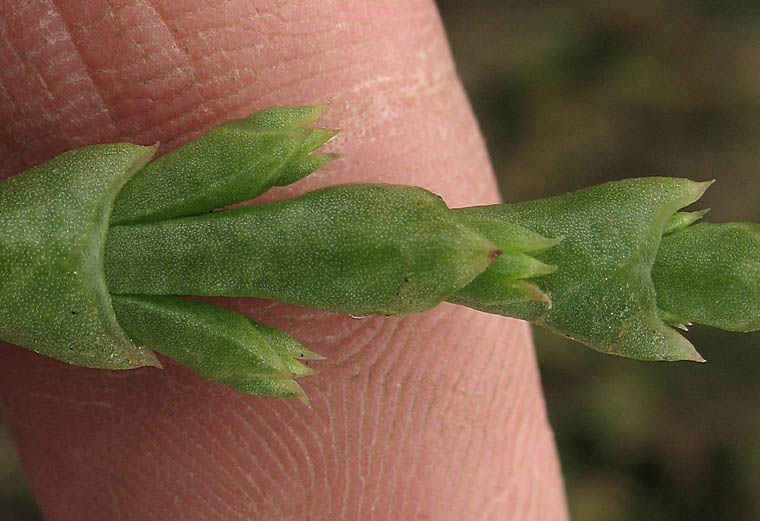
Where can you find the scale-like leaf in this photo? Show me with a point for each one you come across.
(53, 222)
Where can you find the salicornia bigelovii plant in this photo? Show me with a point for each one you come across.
(96, 244)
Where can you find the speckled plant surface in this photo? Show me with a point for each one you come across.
(99, 243)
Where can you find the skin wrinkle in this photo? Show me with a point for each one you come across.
(164, 431)
(361, 468)
(491, 361)
(406, 381)
(264, 426)
(457, 384)
(261, 489)
(237, 110)
(173, 452)
(413, 432)
(324, 427)
(87, 71)
(364, 460)
(372, 421)
(15, 145)
(525, 431)
(139, 484)
(405, 480)
(323, 458)
(452, 427)
(248, 454)
(146, 490)
(299, 443)
(134, 120)
(512, 424)
(517, 391)
(507, 383)
(502, 387)
(313, 437)
(360, 459)
(135, 72)
(379, 374)
(218, 496)
(346, 455)
(272, 14)
(313, 77)
(30, 53)
(532, 497)
(76, 404)
(296, 437)
(333, 443)
(362, 485)
(39, 394)
(365, 359)
(432, 407)
(402, 383)
(281, 60)
(275, 483)
(515, 387)
(219, 33)
(502, 497)
(229, 476)
(369, 331)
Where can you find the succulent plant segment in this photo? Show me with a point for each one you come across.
(709, 274)
(53, 224)
(218, 344)
(356, 249)
(602, 293)
(96, 244)
(233, 162)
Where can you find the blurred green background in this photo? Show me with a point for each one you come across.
(571, 93)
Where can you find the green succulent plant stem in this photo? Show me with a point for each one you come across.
(54, 218)
(354, 249)
(594, 282)
(617, 267)
(53, 224)
(708, 274)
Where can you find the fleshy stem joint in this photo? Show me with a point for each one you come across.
(98, 242)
